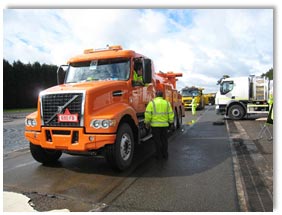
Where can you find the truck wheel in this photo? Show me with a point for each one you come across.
(44, 156)
(175, 121)
(236, 112)
(179, 119)
(120, 154)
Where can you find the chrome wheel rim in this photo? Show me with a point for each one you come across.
(125, 147)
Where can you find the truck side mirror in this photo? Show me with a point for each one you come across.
(61, 74)
(147, 76)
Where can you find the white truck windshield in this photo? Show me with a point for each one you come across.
(226, 87)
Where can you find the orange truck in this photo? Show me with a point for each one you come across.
(97, 108)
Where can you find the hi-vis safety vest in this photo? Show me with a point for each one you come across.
(137, 77)
(194, 103)
(159, 113)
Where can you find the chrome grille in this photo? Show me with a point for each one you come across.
(52, 105)
(187, 101)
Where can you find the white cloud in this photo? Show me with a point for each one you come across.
(203, 44)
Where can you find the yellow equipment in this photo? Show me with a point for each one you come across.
(187, 95)
(209, 98)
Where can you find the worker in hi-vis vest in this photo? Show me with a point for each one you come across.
(159, 115)
(194, 106)
(137, 74)
(270, 103)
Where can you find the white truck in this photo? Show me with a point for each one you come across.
(240, 96)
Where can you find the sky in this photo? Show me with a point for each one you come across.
(203, 44)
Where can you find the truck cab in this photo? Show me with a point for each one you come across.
(187, 95)
(97, 108)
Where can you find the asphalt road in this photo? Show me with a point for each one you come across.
(13, 135)
(199, 175)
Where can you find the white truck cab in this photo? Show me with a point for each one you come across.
(242, 95)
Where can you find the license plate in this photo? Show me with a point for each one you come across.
(67, 117)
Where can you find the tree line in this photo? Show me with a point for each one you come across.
(23, 82)
(268, 74)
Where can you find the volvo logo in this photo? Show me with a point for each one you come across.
(60, 109)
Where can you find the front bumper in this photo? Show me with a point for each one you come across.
(71, 139)
(189, 106)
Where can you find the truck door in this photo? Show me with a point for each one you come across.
(138, 86)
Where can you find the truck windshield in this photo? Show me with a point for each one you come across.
(190, 93)
(226, 87)
(98, 70)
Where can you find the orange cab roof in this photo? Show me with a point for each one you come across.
(110, 52)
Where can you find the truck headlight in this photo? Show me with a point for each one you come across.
(102, 123)
(105, 123)
(95, 123)
(30, 122)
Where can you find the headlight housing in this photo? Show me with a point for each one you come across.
(30, 122)
(102, 123)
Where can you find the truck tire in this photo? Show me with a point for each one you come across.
(179, 120)
(236, 112)
(119, 155)
(44, 156)
(175, 121)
